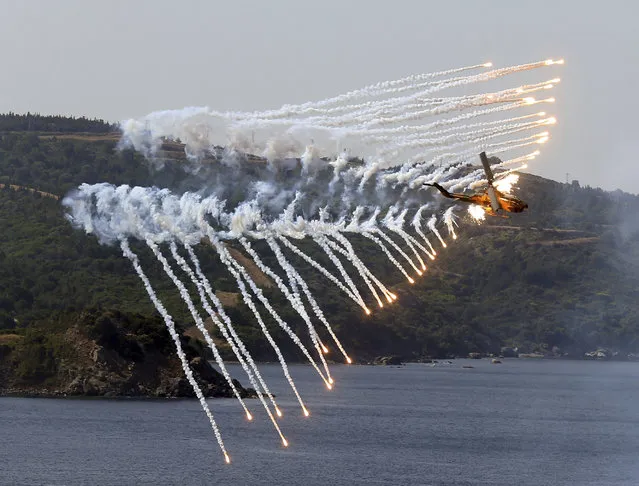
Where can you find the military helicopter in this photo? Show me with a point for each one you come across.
(492, 200)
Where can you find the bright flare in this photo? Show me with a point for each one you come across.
(477, 212)
(506, 184)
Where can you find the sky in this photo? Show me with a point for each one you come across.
(121, 59)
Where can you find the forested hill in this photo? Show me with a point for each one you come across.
(12, 122)
(562, 278)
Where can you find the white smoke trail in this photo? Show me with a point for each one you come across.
(197, 127)
(223, 328)
(412, 243)
(467, 131)
(399, 250)
(198, 322)
(249, 302)
(349, 252)
(378, 89)
(322, 243)
(452, 138)
(126, 250)
(220, 309)
(449, 220)
(395, 225)
(296, 303)
(265, 302)
(431, 225)
(362, 272)
(389, 255)
(356, 260)
(324, 272)
(417, 224)
(290, 270)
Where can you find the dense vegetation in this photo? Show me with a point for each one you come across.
(565, 275)
(39, 350)
(32, 122)
(103, 353)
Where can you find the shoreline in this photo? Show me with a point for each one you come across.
(448, 363)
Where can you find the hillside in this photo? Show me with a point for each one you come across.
(109, 354)
(564, 276)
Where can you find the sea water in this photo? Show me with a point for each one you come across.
(522, 422)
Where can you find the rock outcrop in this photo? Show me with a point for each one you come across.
(106, 354)
(388, 360)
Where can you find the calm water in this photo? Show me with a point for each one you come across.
(519, 423)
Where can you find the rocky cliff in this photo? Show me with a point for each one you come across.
(105, 354)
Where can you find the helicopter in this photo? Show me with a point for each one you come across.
(492, 200)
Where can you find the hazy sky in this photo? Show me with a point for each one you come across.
(120, 59)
